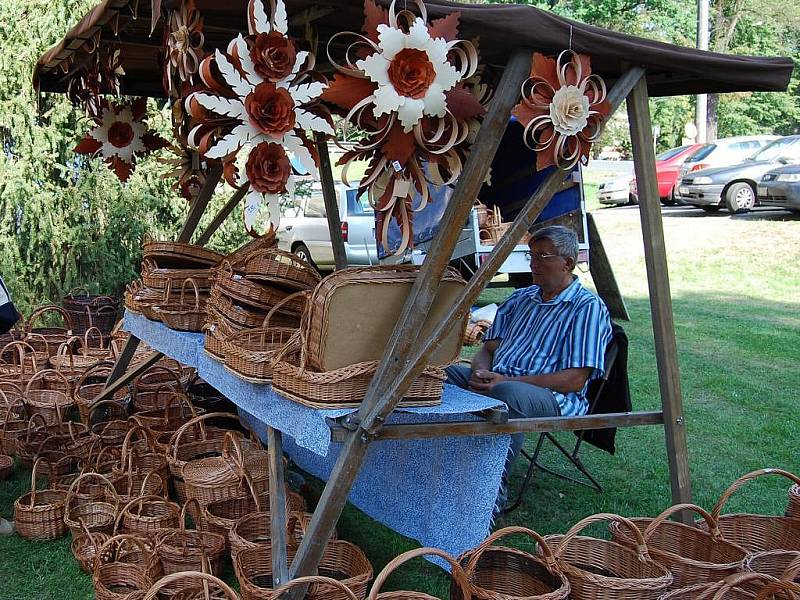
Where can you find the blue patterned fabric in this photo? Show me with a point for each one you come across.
(570, 331)
(438, 491)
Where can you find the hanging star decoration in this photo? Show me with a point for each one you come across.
(261, 98)
(402, 83)
(183, 47)
(563, 107)
(101, 76)
(121, 136)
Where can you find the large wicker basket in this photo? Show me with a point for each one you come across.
(184, 549)
(253, 293)
(783, 564)
(53, 336)
(157, 278)
(738, 586)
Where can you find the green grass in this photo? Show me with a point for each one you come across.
(737, 317)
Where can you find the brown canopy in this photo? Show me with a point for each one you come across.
(671, 70)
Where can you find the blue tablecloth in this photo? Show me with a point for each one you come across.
(438, 491)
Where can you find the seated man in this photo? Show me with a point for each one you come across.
(546, 343)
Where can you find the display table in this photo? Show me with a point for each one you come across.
(438, 491)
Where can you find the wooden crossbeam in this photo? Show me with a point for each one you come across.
(222, 215)
(128, 376)
(199, 204)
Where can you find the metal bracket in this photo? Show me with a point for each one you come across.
(350, 422)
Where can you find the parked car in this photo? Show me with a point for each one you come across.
(781, 187)
(734, 187)
(306, 234)
(668, 165)
(616, 191)
(724, 152)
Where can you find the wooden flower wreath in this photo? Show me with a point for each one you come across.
(120, 136)
(402, 84)
(562, 109)
(183, 47)
(260, 98)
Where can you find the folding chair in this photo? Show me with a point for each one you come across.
(596, 389)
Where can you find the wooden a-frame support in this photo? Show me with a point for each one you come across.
(405, 353)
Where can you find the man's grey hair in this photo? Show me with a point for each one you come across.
(563, 238)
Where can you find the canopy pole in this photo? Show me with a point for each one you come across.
(199, 204)
(222, 215)
(660, 299)
(331, 204)
(414, 313)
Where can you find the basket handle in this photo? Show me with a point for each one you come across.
(722, 589)
(126, 452)
(198, 512)
(792, 571)
(172, 507)
(196, 292)
(33, 418)
(88, 475)
(33, 480)
(641, 546)
(277, 252)
(286, 300)
(768, 591)
(153, 369)
(318, 579)
(713, 526)
(38, 374)
(20, 346)
(119, 540)
(67, 320)
(86, 345)
(457, 572)
(207, 578)
(238, 458)
(172, 450)
(717, 510)
(547, 553)
(85, 375)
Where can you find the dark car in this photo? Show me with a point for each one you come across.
(734, 187)
(781, 187)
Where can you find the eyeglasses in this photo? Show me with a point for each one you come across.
(531, 256)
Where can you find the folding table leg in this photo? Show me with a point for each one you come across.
(123, 360)
(277, 508)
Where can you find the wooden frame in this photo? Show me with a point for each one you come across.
(405, 353)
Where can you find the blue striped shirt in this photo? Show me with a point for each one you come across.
(570, 331)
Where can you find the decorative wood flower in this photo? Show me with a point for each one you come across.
(562, 109)
(183, 43)
(403, 83)
(189, 171)
(101, 76)
(261, 97)
(121, 136)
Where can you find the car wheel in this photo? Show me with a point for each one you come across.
(301, 251)
(633, 199)
(740, 198)
(710, 209)
(670, 199)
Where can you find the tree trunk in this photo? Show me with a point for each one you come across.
(711, 117)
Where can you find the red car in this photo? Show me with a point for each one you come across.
(668, 165)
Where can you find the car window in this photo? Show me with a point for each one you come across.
(315, 206)
(701, 153)
(789, 146)
(667, 154)
(358, 205)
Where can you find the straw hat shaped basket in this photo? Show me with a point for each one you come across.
(250, 353)
(502, 573)
(599, 569)
(183, 315)
(51, 337)
(115, 574)
(692, 554)
(757, 533)
(93, 514)
(460, 581)
(283, 269)
(39, 515)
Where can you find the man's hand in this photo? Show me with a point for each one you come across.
(483, 380)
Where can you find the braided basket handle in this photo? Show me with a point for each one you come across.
(711, 522)
(280, 593)
(207, 579)
(546, 552)
(641, 546)
(717, 510)
(457, 572)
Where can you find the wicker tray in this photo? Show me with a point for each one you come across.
(283, 269)
(253, 293)
(346, 387)
(157, 278)
(245, 317)
(176, 255)
(335, 335)
(239, 257)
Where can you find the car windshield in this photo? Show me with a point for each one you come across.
(784, 147)
(666, 155)
(701, 152)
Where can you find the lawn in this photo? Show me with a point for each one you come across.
(737, 315)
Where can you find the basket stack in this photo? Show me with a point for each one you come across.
(88, 310)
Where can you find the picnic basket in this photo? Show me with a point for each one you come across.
(757, 533)
(183, 315)
(460, 581)
(39, 514)
(693, 555)
(281, 269)
(502, 573)
(600, 569)
(177, 255)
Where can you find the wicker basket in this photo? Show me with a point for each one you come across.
(87, 311)
(95, 515)
(599, 569)
(758, 533)
(336, 588)
(214, 339)
(86, 547)
(254, 529)
(53, 336)
(792, 591)
(783, 564)
(738, 586)
(460, 584)
(183, 315)
(158, 279)
(114, 576)
(253, 293)
(502, 573)
(190, 581)
(69, 364)
(153, 485)
(692, 554)
(473, 334)
(51, 404)
(147, 515)
(177, 255)
(34, 441)
(39, 515)
(346, 387)
(184, 549)
(250, 353)
(220, 517)
(14, 427)
(283, 269)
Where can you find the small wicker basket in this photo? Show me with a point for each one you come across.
(183, 315)
(460, 584)
(39, 515)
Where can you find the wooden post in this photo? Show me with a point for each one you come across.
(122, 380)
(277, 508)
(603, 274)
(199, 205)
(331, 204)
(123, 360)
(223, 214)
(414, 312)
(660, 300)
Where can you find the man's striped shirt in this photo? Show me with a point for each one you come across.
(570, 331)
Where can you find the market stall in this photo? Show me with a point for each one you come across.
(163, 52)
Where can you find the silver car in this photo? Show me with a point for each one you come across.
(781, 187)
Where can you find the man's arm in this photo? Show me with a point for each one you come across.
(483, 358)
(564, 381)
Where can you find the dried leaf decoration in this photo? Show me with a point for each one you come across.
(403, 83)
(260, 98)
(562, 109)
(121, 135)
(183, 46)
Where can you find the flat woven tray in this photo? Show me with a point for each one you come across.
(254, 293)
(283, 269)
(250, 353)
(175, 255)
(158, 278)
